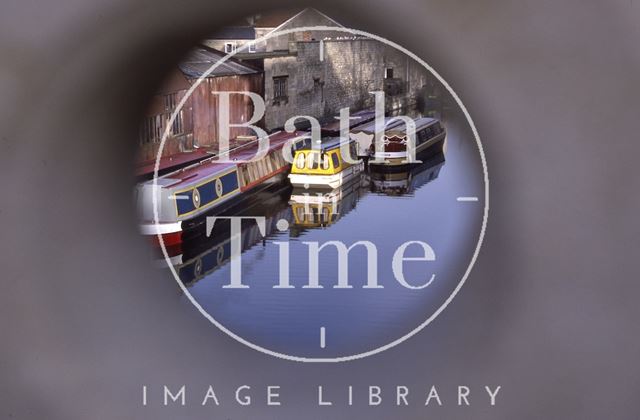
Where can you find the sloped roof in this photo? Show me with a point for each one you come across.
(294, 18)
(201, 58)
(175, 81)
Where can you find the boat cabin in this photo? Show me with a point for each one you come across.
(323, 165)
(430, 136)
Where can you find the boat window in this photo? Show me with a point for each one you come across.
(312, 161)
(300, 161)
(251, 171)
(325, 161)
(245, 175)
(430, 130)
(325, 214)
(336, 161)
(268, 162)
(277, 158)
(422, 136)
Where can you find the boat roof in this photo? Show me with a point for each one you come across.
(238, 151)
(393, 124)
(328, 143)
(357, 118)
(200, 60)
(147, 167)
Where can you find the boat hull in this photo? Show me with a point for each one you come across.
(185, 196)
(325, 181)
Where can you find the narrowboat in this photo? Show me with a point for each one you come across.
(429, 140)
(185, 196)
(323, 166)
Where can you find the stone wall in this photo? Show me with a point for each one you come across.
(348, 71)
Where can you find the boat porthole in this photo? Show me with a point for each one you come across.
(220, 255)
(197, 268)
(218, 187)
(196, 198)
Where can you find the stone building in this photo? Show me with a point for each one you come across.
(232, 38)
(326, 75)
(318, 72)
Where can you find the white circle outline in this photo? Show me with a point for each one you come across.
(386, 346)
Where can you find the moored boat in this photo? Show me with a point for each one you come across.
(189, 193)
(429, 139)
(324, 166)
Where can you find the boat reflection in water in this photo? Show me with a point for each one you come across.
(321, 208)
(304, 209)
(205, 254)
(408, 180)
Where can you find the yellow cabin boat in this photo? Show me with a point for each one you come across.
(324, 166)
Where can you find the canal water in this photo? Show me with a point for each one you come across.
(432, 202)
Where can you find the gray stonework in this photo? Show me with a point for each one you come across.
(351, 67)
(349, 70)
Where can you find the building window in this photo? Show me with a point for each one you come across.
(229, 47)
(388, 73)
(170, 101)
(177, 126)
(152, 129)
(280, 88)
(252, 47)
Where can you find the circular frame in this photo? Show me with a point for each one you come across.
(444, 304)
